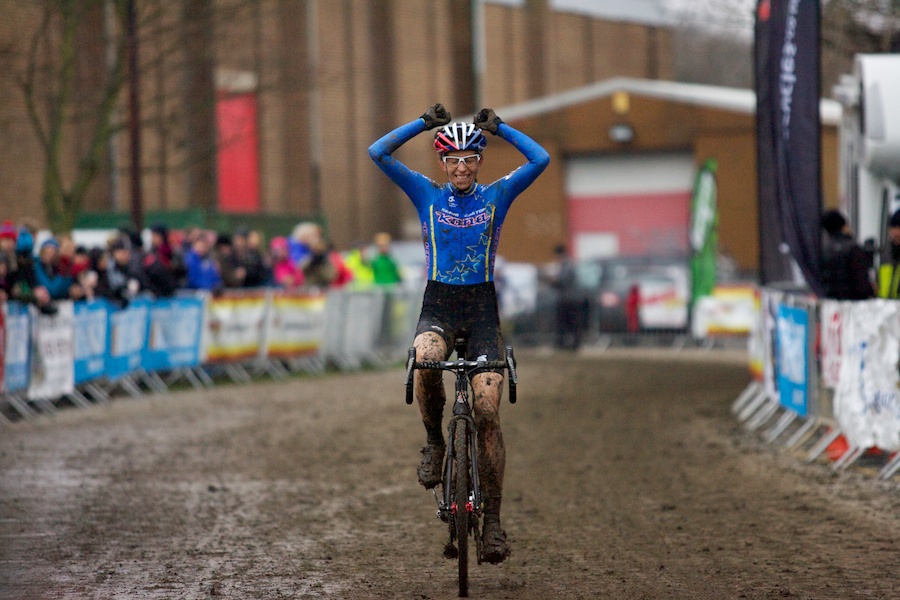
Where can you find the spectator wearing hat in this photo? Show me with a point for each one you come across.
(285, 271)
(24, 280)
(135, 245)
(48, 272)
(232, 272)
(888, 271)
(303, 236)
(8, 235)
(124, 281)
(844, 264)
(202, 270)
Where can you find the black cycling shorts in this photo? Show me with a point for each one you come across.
(453, 311)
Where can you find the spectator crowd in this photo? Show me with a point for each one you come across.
(193, 259)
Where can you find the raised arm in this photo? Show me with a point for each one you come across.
(382, 150)
(538, 158)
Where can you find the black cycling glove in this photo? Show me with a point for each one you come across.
(486, 119)
(436, 116)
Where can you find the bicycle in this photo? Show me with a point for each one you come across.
(461, 504)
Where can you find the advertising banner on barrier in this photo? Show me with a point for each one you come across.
(176, 326)
(91, 332)
(17, 359)
(866, 403)
(831, 326)
(295, 324)
(664, 301)
(730, 310)
(53, 353)
(127, 338)
(771, 300)
(793, 358)
(235, 326)
(756, 345)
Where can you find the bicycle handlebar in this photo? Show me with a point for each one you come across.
(462, 366)
(465, 365)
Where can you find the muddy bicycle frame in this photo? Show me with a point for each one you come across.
(462, 452)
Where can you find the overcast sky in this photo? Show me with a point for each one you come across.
(732, 15)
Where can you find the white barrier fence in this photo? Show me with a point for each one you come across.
(825, 377)
(88, 350)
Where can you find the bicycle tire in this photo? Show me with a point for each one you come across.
(461, 499)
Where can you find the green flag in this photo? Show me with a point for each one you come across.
(704, 231)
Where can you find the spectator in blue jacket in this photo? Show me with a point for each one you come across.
(48, 273)
(202, 271)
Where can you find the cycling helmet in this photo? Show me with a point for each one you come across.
(459, 136)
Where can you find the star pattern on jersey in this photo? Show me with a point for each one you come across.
(470, 264)
(483, 242)
(472, 261)
(457, 275)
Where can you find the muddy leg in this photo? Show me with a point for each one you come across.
(430, 385)
(487, 389)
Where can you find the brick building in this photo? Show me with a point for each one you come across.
(268, 106)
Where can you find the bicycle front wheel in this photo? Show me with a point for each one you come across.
(461, 500)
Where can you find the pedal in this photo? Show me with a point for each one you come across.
(443, 513)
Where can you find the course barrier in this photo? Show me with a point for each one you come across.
(825, 378)
(85, 352)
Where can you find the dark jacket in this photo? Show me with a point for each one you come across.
(845, 269)
(159, 274)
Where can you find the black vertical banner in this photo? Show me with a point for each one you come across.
(788, 132)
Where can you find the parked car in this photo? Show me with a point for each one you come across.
(630, 294)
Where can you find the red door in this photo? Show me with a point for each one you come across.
(238, 158)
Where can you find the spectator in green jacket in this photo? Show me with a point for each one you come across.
(384, 267)
(888, 271)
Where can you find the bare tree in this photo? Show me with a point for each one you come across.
(72, 69)
(714, 38)
(59, 106)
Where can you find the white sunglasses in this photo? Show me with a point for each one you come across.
(453, 161)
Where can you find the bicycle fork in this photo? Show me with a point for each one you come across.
(461, 418)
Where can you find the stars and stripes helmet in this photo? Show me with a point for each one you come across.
(459, 136)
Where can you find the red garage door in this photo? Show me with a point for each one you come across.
(629, 205)
(238, 159)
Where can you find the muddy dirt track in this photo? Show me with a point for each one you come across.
(626, 479)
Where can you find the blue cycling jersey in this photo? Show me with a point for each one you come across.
(460, 230)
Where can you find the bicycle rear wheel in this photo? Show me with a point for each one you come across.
(461, 500)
